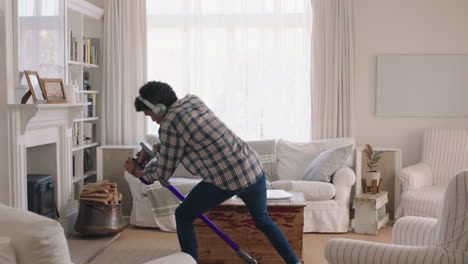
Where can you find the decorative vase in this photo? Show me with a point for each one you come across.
(70, 91)
(370, 176)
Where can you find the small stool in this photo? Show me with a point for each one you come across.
(370, 213)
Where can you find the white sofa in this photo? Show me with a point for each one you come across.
(327, 204)
(26, 238)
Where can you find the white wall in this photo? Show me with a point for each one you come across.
(402, 26)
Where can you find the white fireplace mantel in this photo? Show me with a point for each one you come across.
(32, 125)
(38, 114)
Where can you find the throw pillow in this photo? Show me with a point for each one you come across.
(7, 252)
(266, 150)
(327, 162)
(294, 157)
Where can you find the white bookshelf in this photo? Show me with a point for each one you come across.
(84, 27)
(82, 64)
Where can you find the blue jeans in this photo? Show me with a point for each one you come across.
(205, 196)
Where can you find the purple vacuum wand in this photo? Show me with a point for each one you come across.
(165, 183)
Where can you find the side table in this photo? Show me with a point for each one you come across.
(389, 167)
(370, 213)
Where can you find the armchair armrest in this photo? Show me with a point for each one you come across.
(414, 231)
(344, 176)
(343, 179)
(416, 176)
(338, 250)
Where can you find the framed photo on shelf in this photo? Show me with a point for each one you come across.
(35, 88)
(54, 90)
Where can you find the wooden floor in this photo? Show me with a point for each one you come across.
(84, 248)
(139, 245)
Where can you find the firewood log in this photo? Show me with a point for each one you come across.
(101, 183)
(95, 191)
(94, 195)
(89, 188)
(110, 198)
(99, 200)
(102, 192)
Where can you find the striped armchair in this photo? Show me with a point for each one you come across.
(416, 239)
(445, 153)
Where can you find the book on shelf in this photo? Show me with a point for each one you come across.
(90, 50)
(87, 161)
(91, 109)
(77, 134)
(73, 44)
(86, 80)
(70, 45)
(75, 195)
(89, 132)
(93, 55)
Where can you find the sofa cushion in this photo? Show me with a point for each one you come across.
(36, 239)
(327, 162)
(313, 191)
(266, 150)
(294, 157)
(7, 252)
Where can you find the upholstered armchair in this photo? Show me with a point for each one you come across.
(444, 154)
(416, 239)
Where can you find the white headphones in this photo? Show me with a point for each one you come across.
(158, 109)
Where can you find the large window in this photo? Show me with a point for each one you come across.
(40, 40)
(249, 60)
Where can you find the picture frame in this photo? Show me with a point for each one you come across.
(36, 90)
(54, 90)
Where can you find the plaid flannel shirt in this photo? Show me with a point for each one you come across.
(192, 134)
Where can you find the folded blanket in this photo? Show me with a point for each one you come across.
(164, 202)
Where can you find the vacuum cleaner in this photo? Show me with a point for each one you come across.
(146, 147)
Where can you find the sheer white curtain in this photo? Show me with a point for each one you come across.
(124, 69)
(333, 68)
(40, 37)
(249, 60)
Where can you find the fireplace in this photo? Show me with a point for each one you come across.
(40, 143)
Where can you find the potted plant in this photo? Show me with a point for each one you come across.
(372, 174)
